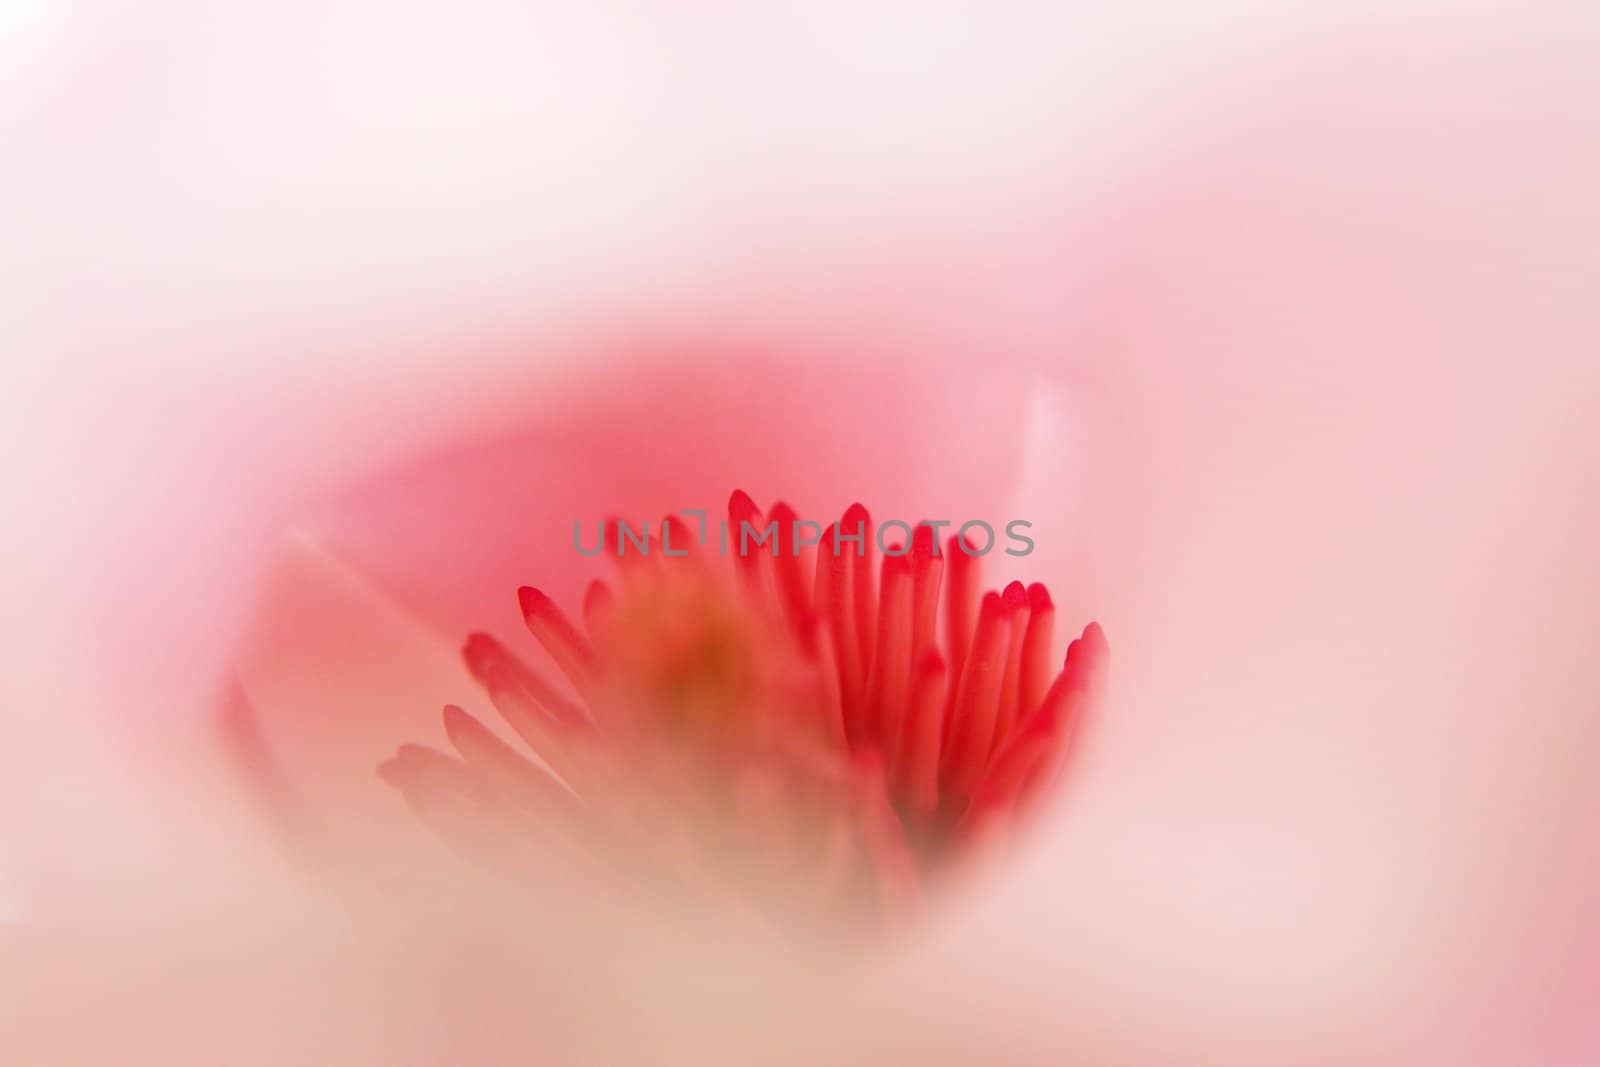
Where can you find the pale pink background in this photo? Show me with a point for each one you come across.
(1301, 306)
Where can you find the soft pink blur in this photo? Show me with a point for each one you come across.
(1290, 362)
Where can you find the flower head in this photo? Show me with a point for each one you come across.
(820, 728)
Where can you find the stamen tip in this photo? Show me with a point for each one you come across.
(1095, 638)
(961, 547)
(477, 651)
(531, 600)
(598, 594)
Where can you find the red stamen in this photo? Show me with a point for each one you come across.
(515, 777)
(554, 742)
(676, 536)
(1016, 605)
(927, 570)
(483, 654)
(1028, 749)
(629, 546)
(835, 592)
(746, 553)
(971, 729)
(417, 767)
(812, 709)
(1036, 752)
(916, 764)
(790, 565)
(1035, 672)
(961, 597)
(857, 522)
(1084, 664)
(891, 664)
(818, 643)
(598, 603)
(550, 625)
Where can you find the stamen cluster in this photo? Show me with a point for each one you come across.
(823, 728)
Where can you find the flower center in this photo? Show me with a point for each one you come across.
(821, 716)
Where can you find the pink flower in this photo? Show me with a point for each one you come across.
(848, 726)
(1283, 341)
(800, 724)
